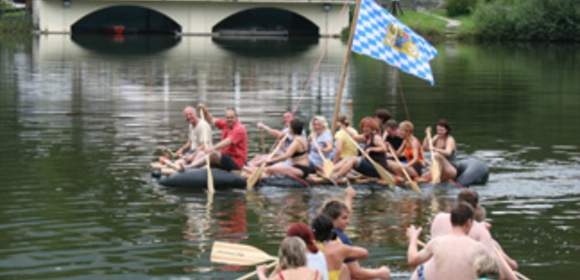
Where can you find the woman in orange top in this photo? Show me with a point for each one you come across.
(411, 149)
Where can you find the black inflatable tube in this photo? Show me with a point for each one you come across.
(197, 179)
(471, 171)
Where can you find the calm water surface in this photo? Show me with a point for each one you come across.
(79, 121)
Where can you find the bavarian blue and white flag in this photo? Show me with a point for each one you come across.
(382, 36)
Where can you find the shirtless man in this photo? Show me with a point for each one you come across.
(441, 225)
(453, 255)
(340, 212)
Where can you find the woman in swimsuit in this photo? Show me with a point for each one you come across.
(297, 152)
(334, 251)
(291, 262)
(444, 148)
(412, 151)
(374, 146)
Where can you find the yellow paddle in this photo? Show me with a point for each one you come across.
(412, 183)
(210, 186)
(383, 173)
(435, 166)
(327, 165)
(238, 254)
(254, 177)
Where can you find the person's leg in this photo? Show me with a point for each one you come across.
(448, 171)
(282, 168)
(349, 163)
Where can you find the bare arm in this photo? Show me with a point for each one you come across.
(379, 145)
(222, 144)
(415, 257)
(289, 152)
(273, 132)
(354, 252)
(449, 147)
(183, 148)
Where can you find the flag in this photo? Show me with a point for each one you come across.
(381, 36)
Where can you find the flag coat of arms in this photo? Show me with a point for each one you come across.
(382, 36)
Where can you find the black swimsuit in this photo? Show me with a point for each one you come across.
(306, 170)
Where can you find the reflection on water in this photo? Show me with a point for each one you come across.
(78, 126)
(121, 44)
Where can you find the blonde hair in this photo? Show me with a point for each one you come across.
(323, 123)
(485, 264)
(407, 125)
(292, 253)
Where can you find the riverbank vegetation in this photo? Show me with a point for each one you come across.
(12, 23)
(501, 20)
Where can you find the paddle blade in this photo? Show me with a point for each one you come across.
(415, 186)
(327, 168)
(238, 254)
(385, 175)
(254, 177)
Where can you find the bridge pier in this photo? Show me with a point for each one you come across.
(196, 17)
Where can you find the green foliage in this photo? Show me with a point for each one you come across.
(427, 25)
(529, 20)
(459, 7)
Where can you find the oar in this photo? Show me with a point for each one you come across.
(252, 274)
(238, 254)
(253, 178)
(383, 173)
(327, 165)
(210, 186)
(413, 184)
(517, 273)
(435, 168)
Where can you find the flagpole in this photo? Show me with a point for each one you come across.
(345, 66)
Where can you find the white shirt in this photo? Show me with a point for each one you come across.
(317, 262)
(196, 134)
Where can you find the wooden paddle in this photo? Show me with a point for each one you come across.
(383, 173)
(517, 273)
(210, 186)
(412, 183)
(252, 274)
(435, 166)
(254, 177)
(327, 165)
(238, 254)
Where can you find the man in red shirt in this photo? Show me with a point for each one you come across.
(233, 147)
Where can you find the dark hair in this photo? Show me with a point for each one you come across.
(468, 196)
(296, 126)
(344, 120)
(392, 124)
(322, 228)
(444, 123)
(333, 209)
(461, 214)
(383, 114)
(305, 233)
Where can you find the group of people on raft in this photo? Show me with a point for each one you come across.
(461, 247)
(301, 156)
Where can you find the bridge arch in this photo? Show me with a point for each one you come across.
(126, 19)
(267, 20)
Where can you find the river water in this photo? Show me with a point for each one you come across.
(79, 120)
